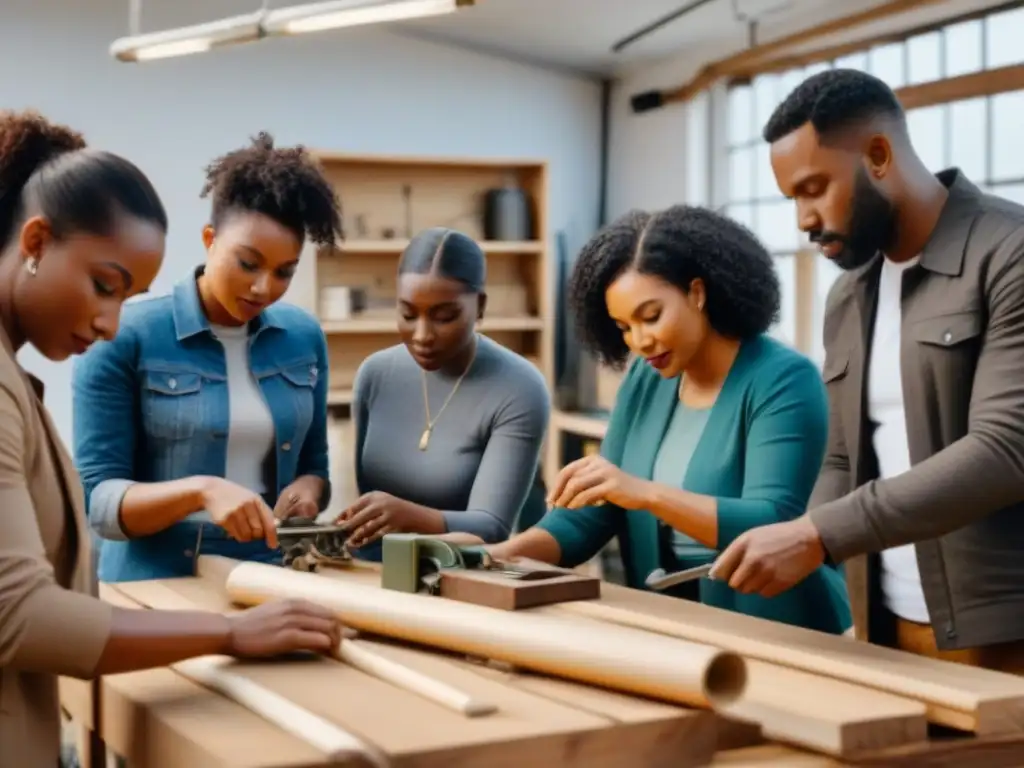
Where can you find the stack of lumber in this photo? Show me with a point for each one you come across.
(630, 679)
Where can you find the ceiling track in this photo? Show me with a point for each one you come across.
(657, 24)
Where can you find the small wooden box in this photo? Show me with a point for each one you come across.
(495, 590)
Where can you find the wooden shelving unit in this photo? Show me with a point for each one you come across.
(590, 425)
(388, 199)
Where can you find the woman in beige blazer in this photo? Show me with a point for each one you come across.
(80, 232)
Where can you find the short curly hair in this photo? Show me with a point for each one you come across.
(832, 101)
(677, 245)
(285, 184)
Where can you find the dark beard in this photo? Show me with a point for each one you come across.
(871, 228)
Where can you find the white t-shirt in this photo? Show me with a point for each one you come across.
(901, 579)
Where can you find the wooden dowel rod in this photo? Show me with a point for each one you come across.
(354, 653)
(339, 745)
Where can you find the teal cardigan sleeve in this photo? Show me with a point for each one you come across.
(788, 429)
(581, 533)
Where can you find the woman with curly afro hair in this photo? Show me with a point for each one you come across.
(204, 422)
(717, 428)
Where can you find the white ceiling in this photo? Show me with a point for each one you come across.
(579, 34)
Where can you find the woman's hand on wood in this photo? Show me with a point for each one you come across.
(594, 480)
(283, 626)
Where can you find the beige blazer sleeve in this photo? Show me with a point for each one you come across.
(43, 627)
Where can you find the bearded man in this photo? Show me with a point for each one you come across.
(924, 367)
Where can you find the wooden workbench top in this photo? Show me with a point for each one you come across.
(159, 719)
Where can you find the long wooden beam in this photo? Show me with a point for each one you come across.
(804, 58)
(986, 83)
(744, 60)
(958, 696)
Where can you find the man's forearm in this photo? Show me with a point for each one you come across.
(970, 479)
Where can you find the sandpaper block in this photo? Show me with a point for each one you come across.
(534, 586)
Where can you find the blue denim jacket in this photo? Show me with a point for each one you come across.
(151, 406)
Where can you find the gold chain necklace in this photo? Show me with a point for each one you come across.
(425, 437)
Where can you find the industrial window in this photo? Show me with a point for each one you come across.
(980, 135)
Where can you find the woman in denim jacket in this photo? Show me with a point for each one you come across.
(206, 417)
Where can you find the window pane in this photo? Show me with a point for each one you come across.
(744, 214)
(785, 329)
(765, 98)
(821, 66)
(887, 64)
(1007, 122)
(764, 176)
(741, 173)
(968, 137)
(854, 61)
(924, 58)
(741, 114)
(963, 48)
(697, 143)
(1014, 192)
(790, 80)
(928, 134)
(1003, 32)
(776, 225)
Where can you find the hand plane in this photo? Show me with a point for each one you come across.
(307, 545)
(420, 563)
(414, 562)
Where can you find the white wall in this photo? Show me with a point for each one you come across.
(360, 90)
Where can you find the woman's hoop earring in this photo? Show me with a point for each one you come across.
(32, 265)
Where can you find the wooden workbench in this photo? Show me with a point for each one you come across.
(158, 719)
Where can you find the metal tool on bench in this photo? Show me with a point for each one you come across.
(307, 545)
(413, 562)
(659, 580)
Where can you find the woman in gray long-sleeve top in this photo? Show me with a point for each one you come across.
(449, 424)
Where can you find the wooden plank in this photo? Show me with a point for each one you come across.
(824, 714)
(529, 727)
(770, 756)
(158, 719)
(956, 695)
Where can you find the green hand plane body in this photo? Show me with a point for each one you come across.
(414, 562)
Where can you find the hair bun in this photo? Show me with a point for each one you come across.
(28, 141)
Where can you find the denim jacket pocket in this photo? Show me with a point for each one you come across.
(171, 403)
(302, 379)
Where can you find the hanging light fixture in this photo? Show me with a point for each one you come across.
(293, 20)
(188, 40)
(317, 17)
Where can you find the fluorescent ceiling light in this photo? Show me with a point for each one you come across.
(188, 40)
(316, 17)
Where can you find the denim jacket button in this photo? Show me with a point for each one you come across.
(286, 446)
(172, 383)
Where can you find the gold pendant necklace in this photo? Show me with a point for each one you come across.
(425, 437)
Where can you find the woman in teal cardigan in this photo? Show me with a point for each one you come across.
(716, 428)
